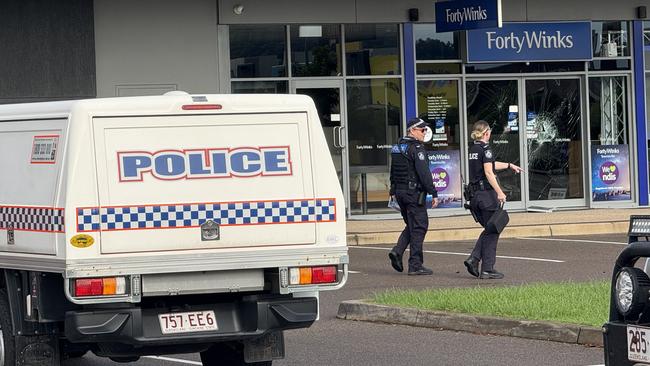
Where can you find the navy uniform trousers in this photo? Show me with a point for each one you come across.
(484, 204)
(417, 223)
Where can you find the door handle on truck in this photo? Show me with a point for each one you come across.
(341, 144)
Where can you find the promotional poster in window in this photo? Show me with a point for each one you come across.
(445, 171)
(610, 173)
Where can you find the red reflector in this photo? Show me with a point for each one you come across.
(88, 287)
(200, 107)
(323, 274)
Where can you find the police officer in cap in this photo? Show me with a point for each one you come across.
(410, 180)
(487, 196)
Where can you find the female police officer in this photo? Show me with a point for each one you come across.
(486, 198)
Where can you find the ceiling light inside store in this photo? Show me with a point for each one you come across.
(238, 9)
(305, 31)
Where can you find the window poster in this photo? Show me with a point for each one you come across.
(610, 173)
(437, 109)
(445, 171)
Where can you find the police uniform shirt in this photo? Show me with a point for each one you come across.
(411, 151)
(479, 153)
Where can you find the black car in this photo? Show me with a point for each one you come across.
(627, 333)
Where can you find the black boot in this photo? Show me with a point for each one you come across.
(396, 261)
(472, 266)
(422, 271)
(491, 275)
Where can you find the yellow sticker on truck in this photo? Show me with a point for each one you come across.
(82, 241)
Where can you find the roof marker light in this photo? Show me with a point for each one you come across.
(200, 107)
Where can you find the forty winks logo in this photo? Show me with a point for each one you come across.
(529, 40)
(204, 163)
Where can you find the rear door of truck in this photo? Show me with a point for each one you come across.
(160, 178)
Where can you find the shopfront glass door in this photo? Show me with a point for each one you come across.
(554, 148)
(536, 124)
(498, 103)
(327, 97)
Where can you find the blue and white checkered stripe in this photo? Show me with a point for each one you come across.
(193, 215)
(42, 219)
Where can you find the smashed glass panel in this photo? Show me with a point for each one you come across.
(553, 139)
(496, 102)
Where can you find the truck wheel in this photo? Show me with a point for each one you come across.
(228, 354)
(7, 340)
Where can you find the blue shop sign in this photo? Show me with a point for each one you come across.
(570, 41)
(467, 14)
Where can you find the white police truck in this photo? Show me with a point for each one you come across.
(165, 224)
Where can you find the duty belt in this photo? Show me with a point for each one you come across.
(481, 185)
(410, 186)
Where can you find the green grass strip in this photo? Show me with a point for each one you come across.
(575, 303)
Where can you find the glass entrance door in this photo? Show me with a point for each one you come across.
(554, 149)
(327, 97)
(498, 103)
(536, 124)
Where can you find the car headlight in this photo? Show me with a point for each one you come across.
(631, 291)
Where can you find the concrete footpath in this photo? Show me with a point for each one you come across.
(522, 224)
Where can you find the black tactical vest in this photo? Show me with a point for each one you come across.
(402, 168)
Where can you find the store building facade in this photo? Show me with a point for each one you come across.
(577, 124)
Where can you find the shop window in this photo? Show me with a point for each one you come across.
(372, 49)
(315, 50)
(609, 137)
(258, 51)
(554, 139)
(438, 104)
(263, 87)
(374, 125)
(610, 39)
(497, 103)
(430, 45)
(609, 65)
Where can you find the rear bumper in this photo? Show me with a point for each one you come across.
(250, 317)
(615, 345)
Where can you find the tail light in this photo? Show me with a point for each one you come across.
(312, 275)
(106, 286)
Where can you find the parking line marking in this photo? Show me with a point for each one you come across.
(170, 359)
(575, 240)
(466, 254)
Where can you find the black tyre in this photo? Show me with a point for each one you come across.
(7, 340)
(228, 354)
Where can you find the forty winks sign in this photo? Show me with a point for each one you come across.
(467, 14)
(570, 41)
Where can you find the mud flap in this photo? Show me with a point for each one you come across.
(37, 351)
(266, 348)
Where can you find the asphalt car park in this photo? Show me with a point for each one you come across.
(332, 341)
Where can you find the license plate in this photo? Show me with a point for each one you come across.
(194, 321)
(638, 344)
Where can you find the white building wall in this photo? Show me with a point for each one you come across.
(152, 46)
